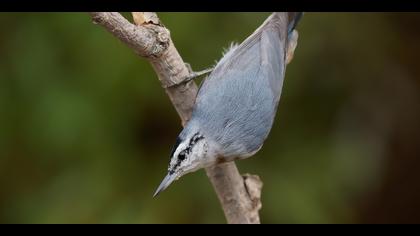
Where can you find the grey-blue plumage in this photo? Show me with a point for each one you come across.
(236, 104)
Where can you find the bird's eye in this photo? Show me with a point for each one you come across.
(181, 156)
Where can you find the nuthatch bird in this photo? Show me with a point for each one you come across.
(236, 104)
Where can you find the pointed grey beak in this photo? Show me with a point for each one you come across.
(165, 183)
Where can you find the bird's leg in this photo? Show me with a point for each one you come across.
(291, 45)
(196, 74)
(192, 75)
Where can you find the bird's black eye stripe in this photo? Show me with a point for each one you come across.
(183, 154)
(194, 139)
(181, 157)
(197, 137)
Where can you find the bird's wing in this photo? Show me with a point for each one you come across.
(266, 46)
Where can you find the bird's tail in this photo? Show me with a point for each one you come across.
(294, 18)
(291, 18)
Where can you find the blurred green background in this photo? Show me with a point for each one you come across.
(86, 129)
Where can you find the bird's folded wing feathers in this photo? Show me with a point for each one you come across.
(271, 38)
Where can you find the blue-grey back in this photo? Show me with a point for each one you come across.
(236, 104)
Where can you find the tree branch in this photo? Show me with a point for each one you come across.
(239, 195)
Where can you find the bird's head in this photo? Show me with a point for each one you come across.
(188, 155)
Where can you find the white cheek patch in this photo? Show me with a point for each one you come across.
(185, 156)
(174, 159)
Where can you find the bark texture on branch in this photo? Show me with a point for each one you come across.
(239, 195)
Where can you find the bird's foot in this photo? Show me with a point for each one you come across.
(192, 75)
